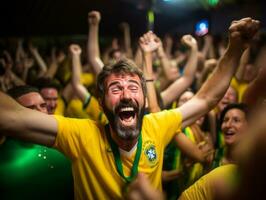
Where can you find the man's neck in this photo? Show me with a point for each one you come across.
(126, 145)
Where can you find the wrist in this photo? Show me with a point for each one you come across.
(149, 80)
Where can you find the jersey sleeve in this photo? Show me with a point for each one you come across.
(73, 135)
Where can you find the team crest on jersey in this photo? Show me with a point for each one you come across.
(150, 152)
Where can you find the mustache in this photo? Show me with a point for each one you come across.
(126, 103)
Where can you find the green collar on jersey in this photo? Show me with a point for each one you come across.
(118, 162)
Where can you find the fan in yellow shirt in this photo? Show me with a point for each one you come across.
(87, 146)
(220, 181)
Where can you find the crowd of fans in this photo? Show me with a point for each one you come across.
(207, 157)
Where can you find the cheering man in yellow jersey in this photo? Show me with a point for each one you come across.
(106, 158)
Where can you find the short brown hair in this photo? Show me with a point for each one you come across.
(123, 66)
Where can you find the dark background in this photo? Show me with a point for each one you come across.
(69, 17)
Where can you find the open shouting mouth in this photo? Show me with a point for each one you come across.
(127, 115)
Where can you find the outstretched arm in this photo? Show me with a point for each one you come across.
(240, 34)
(94, 18)
(182, 83)
(26, 124)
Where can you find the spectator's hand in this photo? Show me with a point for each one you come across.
(94, 17)
(115, 44)
(28, 62)
(149, 42)
(207, 151)
(9, 62)
(32, 48)
(189, 41)
(124, 26)
(241, 33)
(75, 49)
(141, 189)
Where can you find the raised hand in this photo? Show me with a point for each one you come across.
(189, 41)
(149, 42)
(94, 17)
(241, 32)
(124, 26)
(28, 62)
(75, 49)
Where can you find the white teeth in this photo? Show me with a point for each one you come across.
(127, 109)
(229, 132)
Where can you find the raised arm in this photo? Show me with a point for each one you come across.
(127, 40)
(240, 34)
(255, 94)
(242, 65)
(149, 43)
(43, 67)
(93, 50)
(165, 63)
(26, 124)
(55, 62)
(182, 83)
(79, 88)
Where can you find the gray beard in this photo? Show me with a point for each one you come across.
(125, 133)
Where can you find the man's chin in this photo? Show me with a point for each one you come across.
(127, 132)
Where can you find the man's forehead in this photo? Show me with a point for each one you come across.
(49, 91)
(122, 77)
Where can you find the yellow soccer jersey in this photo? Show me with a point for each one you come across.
(239, 87)
(93, 166)
(87, 79)
(204, 188)
(94, 110)
(60, 108)
(75, 109)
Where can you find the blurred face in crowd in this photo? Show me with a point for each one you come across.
(229, 97)
(124, 104)
(33, 100)
(233, 126)
(50, 95)
(185, 97)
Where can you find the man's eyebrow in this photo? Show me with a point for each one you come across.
(133, 81)
(113, 83)
(117, 82)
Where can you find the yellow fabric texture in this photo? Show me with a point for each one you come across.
(93, 166)
(240, 88)
(60, 108)
(205, 186)
(95, 112)
(75, 109)
(87, 79)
